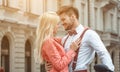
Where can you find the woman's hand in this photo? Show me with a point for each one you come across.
(75, 45)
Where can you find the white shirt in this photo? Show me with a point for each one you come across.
(90, 44)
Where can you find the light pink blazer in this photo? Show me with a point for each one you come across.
(53, 52)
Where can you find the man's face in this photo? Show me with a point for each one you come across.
(66, 21)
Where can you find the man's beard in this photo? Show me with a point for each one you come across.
(69, 27)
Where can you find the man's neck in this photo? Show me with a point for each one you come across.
(76, 24)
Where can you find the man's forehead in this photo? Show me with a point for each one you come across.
(63, 15)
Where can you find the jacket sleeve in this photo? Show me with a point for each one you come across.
(58, 39)
(58, 61)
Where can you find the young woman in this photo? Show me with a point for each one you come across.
(49, 47)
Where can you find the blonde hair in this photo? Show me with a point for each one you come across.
(48, 21)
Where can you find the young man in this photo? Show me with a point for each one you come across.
(90, 43)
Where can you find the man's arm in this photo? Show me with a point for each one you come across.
(96, 43)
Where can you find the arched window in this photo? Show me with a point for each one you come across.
(5, 54)
(27, 56)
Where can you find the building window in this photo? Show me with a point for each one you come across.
(111, 22)
(104, 20)
(118, 26)
(5, 61)
(27, 56)
(95, 17)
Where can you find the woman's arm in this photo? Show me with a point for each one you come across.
(58, 39)
(58, 61)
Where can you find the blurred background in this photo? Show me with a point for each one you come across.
(19, 19)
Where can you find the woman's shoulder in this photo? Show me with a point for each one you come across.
(48, 40)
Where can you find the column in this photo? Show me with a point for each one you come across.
(51, 5)
(77, 4)
(13, 3)
(99, 25)
(118, 26)
(37, 6)
(92, 14)
(19, 52)
(115, 21)
(0, 46)
(116, 58)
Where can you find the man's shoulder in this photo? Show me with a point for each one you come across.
(90, 32)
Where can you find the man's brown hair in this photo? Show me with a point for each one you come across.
(69, 10)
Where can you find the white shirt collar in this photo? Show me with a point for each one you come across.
(79, 28)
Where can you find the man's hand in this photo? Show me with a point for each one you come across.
(48, 66)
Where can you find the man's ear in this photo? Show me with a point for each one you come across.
(72, 18)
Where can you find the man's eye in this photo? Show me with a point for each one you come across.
(63, 19)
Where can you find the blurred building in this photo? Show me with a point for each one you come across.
(19, 19)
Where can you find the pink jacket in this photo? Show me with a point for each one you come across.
(53, 52)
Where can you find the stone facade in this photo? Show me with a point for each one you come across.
(19, 19)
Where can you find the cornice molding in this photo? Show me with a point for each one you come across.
(31, 15)
(8, 8)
